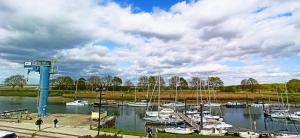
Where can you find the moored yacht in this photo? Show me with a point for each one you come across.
(77, 103)
(295, 116)
(173, 104)
(142, 103)
(235, 105)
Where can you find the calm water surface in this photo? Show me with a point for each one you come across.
(131, 118)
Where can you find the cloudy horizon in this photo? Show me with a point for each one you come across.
(232, 39)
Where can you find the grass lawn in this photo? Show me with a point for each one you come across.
(159, 135)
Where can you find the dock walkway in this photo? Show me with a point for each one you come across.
(188, 120)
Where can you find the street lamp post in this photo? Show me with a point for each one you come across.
(99, 90)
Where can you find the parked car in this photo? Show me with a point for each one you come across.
(7, 134)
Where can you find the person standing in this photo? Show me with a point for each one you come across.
(55, 121)
(39, 122)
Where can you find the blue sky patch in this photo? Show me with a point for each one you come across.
(148, 5)
(286, 14)
(234, 63)
(260, 9)
(110, 45)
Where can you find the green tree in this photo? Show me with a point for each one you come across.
(94, 82)
(293, 85)
(15, 80)
(252, 84)
(183, 83)
(63, 83)
(244, 83)
(215, 82)
(81, 84)
(154, 80)
(116, 81)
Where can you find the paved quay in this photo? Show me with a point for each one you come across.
(69, 126)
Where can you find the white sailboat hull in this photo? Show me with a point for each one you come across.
(138, 104)
(179, 130)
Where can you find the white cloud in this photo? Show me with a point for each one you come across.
(190, 37)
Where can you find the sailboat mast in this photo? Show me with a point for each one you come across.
(209, 101)
(176, 90)
(201, 91)
(158, 106)
(76, 89)
(197, 85)
(135, 88)
(135, 93)
(287, 97)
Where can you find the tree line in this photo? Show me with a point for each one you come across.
(115, 83)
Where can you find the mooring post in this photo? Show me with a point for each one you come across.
(122, 99)
(201, 115)
(184, 106)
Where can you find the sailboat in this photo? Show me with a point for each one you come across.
(77, 102)
(142, 103)
(295, 116)
(282, 114)
(249, 134)
(175, 104)
(162, 115)
(211, 104)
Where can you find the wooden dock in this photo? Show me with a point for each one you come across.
(188, 120)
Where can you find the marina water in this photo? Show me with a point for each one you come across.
(131, 118)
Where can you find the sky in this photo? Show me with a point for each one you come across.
(232, 39)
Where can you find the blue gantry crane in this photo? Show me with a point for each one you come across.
(45, 68)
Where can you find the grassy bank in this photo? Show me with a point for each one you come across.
(165, 95)
(190, 95)
(159, 135)
(28, 92)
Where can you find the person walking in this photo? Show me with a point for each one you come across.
(39, 122)
(55, 121)
(149, 131)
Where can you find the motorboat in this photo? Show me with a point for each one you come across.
(77, 103)
(235, 105)
(249, 134)
(295, 116)
(142, 103)
(259, 104)
(179, 130)
(173, 104)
